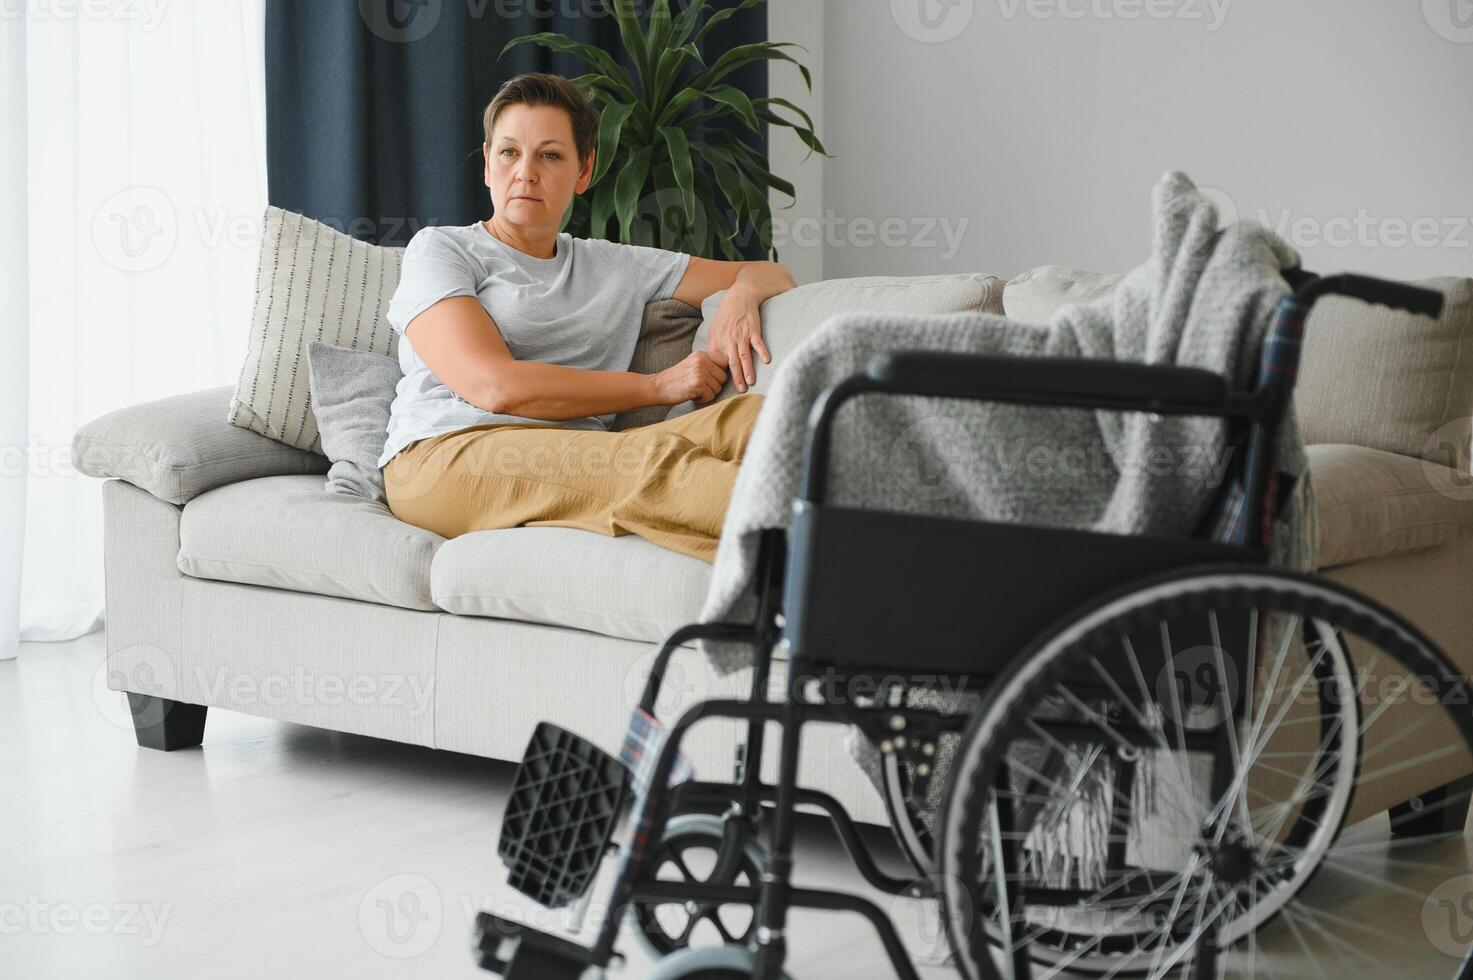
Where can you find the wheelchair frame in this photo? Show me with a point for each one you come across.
(814, 569)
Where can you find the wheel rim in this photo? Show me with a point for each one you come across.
(688, 851)
(1235, 883)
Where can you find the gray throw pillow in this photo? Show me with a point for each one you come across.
(664, 341)
(352, 391)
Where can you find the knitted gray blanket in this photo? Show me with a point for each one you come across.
(1203, 299)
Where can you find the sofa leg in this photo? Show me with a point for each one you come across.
(1443, 810)
(166, 725)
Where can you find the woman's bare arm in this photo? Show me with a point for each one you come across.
(461, 345)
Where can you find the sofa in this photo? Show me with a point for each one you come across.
(233, 582)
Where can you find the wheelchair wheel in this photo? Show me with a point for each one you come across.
(726, 963)
(1159, 788)
(690, 851)
(906, 820)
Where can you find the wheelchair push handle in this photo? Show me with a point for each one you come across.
(1415, 300)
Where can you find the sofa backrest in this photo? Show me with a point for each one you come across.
(1369, 376)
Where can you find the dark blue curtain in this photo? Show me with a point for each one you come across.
(373, 107)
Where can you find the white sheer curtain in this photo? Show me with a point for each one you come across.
(135, 181)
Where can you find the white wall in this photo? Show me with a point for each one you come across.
(1043, 124)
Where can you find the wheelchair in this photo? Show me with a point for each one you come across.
(1152, 775)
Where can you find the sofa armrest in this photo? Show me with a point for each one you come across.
(176, 448)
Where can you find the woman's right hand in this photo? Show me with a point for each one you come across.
(700, 377)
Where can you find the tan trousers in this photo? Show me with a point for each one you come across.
(669, 482)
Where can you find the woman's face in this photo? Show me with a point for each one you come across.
(532, 166)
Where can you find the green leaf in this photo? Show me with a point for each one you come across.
(670, 64)
(804, 133)
(686, 22)
(758, 169)
(634, 40)
(677, 104)
(721, 15)
(774, 100)
(732, 96)
(746, 54)
(629, 186)
(601, 210)
(660, 27)
(591, 55)
(730, 182)
(681, 163)
(609, 129)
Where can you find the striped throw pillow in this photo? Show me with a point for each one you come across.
(312, 283)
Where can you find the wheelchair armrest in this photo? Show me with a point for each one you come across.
(1066, 382)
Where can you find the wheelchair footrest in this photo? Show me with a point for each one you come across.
(518, 952)
(567, 798)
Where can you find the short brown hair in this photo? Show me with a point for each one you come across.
(541, 88)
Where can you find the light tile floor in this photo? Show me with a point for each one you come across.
(279, 850)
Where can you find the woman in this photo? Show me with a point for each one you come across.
(515, 340)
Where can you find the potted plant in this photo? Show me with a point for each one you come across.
(670, 169)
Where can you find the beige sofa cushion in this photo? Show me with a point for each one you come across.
(178, 447)
(1033, 296)
(626, 587)
(288, 532)
(1375, 504)
(788, 318)
(1375, 377)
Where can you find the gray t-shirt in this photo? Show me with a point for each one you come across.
(581, 308)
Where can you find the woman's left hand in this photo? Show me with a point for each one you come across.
(735, 334)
